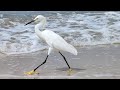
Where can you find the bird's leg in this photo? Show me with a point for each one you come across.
(41, 64)
(69, 71)
(65, 60)
(34, 71)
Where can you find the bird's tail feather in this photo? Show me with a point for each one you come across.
(72, 50)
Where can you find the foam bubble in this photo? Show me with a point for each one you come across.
(77, 28)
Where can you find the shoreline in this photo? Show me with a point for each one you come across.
(91, 62)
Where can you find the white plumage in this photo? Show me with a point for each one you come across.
(56, 42)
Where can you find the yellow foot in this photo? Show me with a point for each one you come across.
(31, 72)
(69, 72)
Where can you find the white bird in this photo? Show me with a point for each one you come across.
(52, 39)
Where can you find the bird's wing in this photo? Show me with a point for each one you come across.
(57, 42)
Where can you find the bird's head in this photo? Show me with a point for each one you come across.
(37, 19)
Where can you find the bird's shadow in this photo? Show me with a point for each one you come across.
(65, 69)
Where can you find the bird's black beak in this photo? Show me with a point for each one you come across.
(29, 22)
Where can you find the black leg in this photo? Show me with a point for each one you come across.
(65, 60)
(41, 64)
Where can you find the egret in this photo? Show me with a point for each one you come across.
(54, 41)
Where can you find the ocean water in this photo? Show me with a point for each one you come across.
(79, 28)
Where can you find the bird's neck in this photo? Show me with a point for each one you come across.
(38, 30)
(40, 26)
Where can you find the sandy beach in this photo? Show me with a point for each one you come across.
(98, 62)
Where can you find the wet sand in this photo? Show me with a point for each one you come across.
(101, 62)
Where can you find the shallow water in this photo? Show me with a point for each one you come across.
(77, 28)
